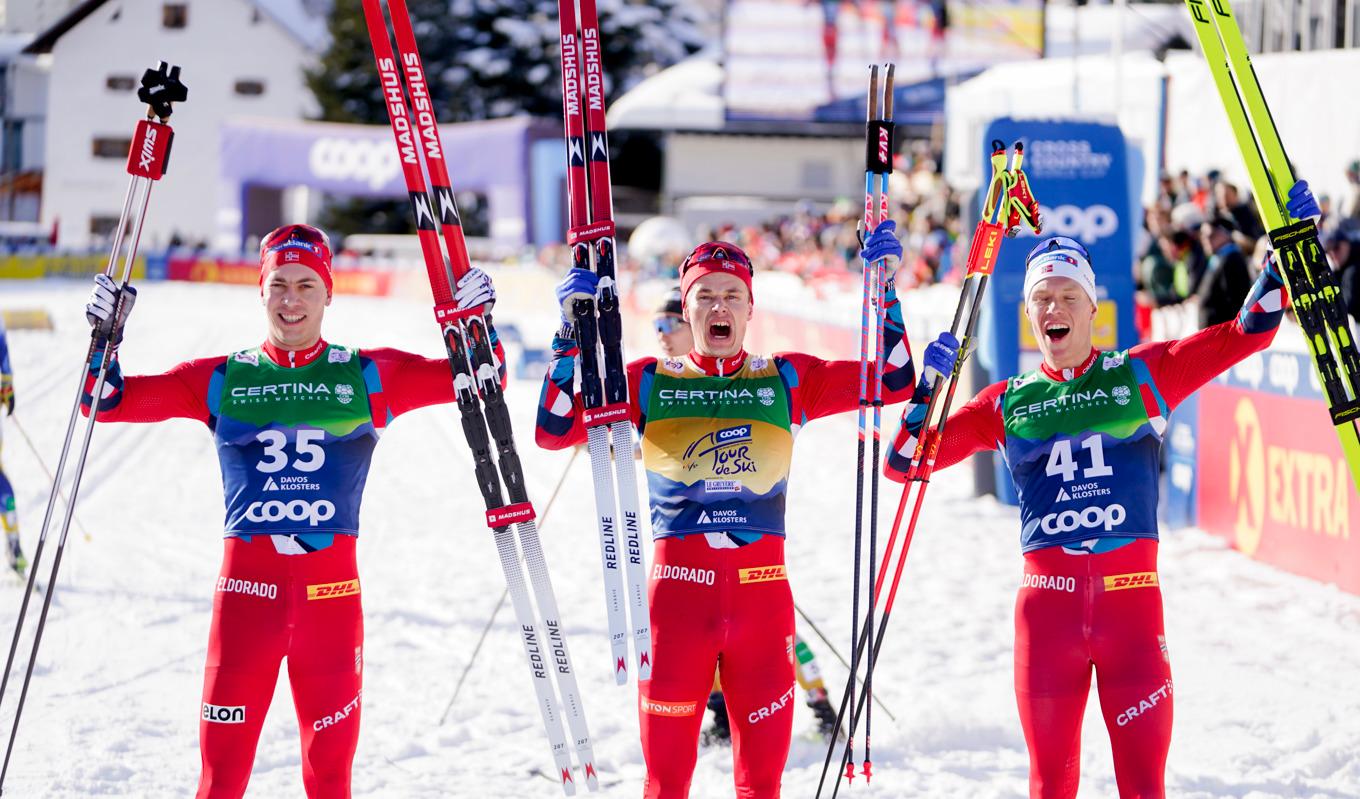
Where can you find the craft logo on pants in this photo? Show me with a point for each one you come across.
(333, 590)
(761, 574)
(675, 709)
(223, 714)
(1121, 582)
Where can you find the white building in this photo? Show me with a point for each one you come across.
(239, 57)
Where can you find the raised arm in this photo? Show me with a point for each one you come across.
(976, 427)
(560, 424)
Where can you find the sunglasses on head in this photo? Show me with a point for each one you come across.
(1058, 243)
(301, 237)
(666, 325)
(716, 251)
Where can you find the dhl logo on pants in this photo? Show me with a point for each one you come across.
(1120, 582)
(333, 590)
(761, 574)
(677, 709)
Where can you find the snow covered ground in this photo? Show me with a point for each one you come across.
(1265, 663)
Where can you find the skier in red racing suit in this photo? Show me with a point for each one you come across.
(295, 421)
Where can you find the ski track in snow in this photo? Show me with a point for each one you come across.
(1264, 662)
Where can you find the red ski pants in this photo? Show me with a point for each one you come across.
(1075, 612)
(269, 606)
(729, 608)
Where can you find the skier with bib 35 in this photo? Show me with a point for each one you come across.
(295, 421)
(717, 429)
(1081, 436)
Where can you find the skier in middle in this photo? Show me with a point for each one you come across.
(717, 429)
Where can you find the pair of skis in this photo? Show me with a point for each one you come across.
(147, 160)
(599, 335)
(467, 336)
(1007, 204)
(1316, 295)
(878, 167)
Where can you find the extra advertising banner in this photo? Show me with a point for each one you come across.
(1274, 482)
(1079, 171)
(245, 273)
(34, 267)
(808, 61)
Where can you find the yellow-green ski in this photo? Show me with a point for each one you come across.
(1316, 297)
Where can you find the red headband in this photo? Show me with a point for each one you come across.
(297, 244)
(715, 257)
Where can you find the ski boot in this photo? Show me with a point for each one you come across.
(825, 713)
(719, 733)
(15, 554)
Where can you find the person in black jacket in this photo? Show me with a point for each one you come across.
(1227, 278)
(1345, 257)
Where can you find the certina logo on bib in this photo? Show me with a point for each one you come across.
(298, 483)
(298, 510)
(1061, 403)
(721, 517)
(762, 574)
(333, 590)
(663, 571)
(707, 396)
(231, 585)
(726, 451)
(1121, 394)
(1092, 517)
(284, 391)
(224, 714)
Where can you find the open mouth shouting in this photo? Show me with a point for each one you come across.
(720, 332)
(1056, 331)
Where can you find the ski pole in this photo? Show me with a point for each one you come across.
(1008, 200)
(147, 160)
(832, 647)
(43, 465)
(543, 521)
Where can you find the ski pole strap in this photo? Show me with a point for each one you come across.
(986, 246)
(584, 234)
(150, 151)
(605, 414)
(505, 515)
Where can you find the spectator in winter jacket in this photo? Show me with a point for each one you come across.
(1345, 257)
(1243, 214)
(1227, 278)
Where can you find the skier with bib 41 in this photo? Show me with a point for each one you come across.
(295, 421)
(1081, 436)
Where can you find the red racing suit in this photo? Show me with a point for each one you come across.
(1081, 445)
(717, 439)
(294, 454)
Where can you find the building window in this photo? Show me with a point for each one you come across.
(174, 15)
(120, 83)
(103, 226)
(250, 88)
(111, 147)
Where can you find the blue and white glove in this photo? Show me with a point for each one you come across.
(103, 300)
(939, 357)
(579, 284)
(1302, 204)
(474, 290)
(882, 243)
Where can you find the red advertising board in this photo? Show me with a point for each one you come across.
(1272, 480)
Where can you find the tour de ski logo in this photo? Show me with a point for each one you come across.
(766, 395)
(726, 452)
(1121, 394)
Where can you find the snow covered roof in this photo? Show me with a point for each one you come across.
(304, 20)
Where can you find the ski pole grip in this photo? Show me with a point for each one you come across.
(150, 151)
(986, 245)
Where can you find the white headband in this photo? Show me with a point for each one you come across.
(1061, 263)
